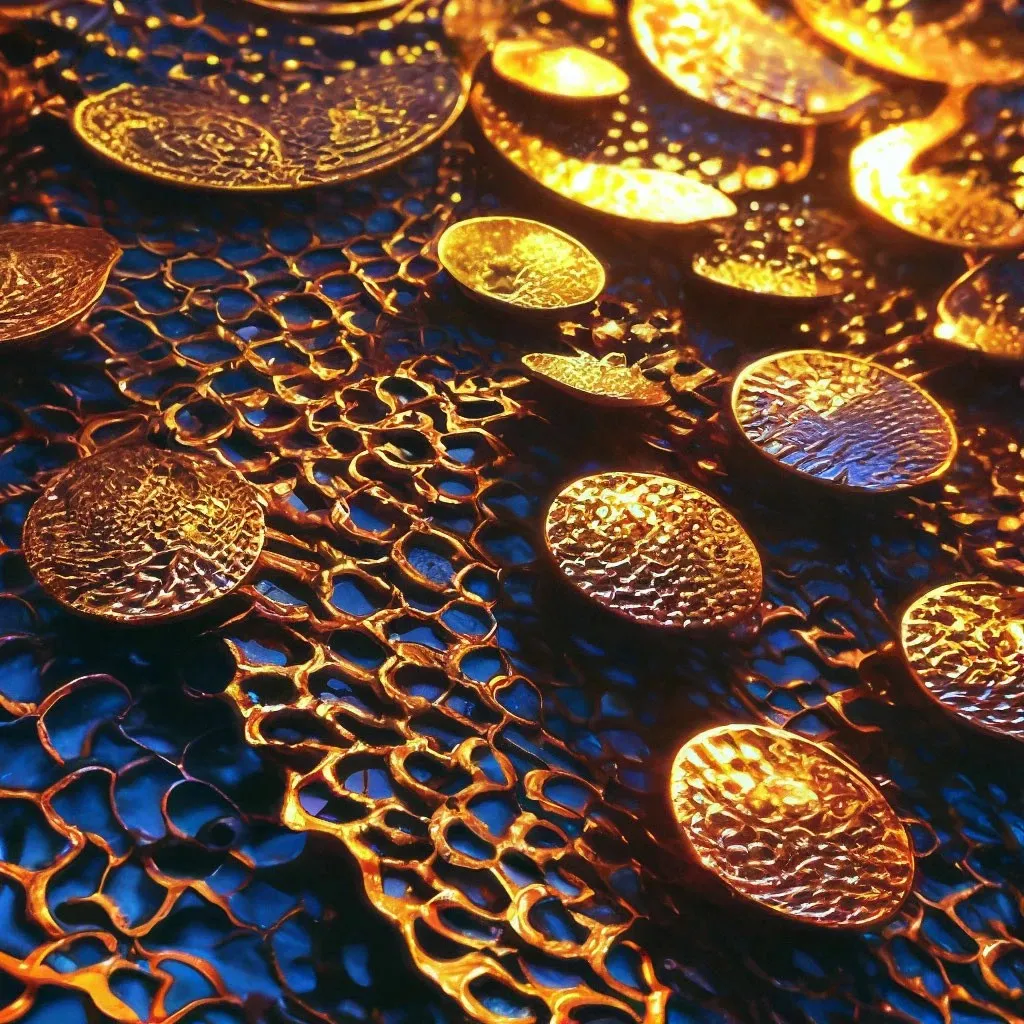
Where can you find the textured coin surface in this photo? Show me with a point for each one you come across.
(752, 61)
(843, 421)
(792, 826)
(518, 262)
(366, 120)
(558, 71)
(964, 644)
(51, 275)
(654, 550)
(607, 381)
(138, 534)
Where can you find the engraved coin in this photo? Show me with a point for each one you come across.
(748, 59)
(51, 275)
(138, 534)
(964, 644)
(512, 261)
(843, 421)
(368, 119)
(558, 71)
(654, 550)
(607, 381)
(791, 826)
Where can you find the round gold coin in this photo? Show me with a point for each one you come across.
(964, 645)
(843, 421)
(607, 381)
(558, 71)
(654, 550)
(142, 535)
(791, 826)
(51, 275)
(512, 261)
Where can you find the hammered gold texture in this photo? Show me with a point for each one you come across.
(790, 825)
(654, 550)
(51, 275)
(138, 534)
(843, 421)
(964, 645)
(606, 381)
(984, 310)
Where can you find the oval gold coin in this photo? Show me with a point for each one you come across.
(607, 381)
(558, 71)
(142, 535)
(791, 826)
(843, 421)
(964, 645)
(512, 261)
(51, 275)
(654, 550)
(593, 8)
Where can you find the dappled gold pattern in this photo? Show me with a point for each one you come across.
(558, 70)
(606, 381)
(984, 310)
(792, 826)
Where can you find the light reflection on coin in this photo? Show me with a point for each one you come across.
(517, 262)
(327, 8)
(557, 70)
(964, 645)
(607, 381)
(791, 826)
(593, 8)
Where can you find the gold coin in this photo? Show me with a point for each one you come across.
(593, 8)
(959, 43)
(843, 421)
(368, 119)
(557, 70)
(51, 275)
(327, 8)
(984, 310)
(964, 645)
(791, 826)
(607, 381)
(142, 535)
(654, 550)
(512, 261)
(751, 60)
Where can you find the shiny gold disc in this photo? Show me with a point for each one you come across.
(327, 8)
(557, 70)
(368, 119)
(843, 421)
(984, 310)
(607, 381)
(746, 59)
(593, 8)
(964, 645)
(792, 826)
(142, 535)
(51, 275)
(512, 261)
(654, 550)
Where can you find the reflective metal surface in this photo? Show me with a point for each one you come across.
(558, 71)
(606, 381)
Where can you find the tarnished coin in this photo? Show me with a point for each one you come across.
(964, 645)
(654, 550)
(558, 71)
(792, 826)
(607, 381)
(984, 310)
(368, 119)
(843, 421)
(512, 261)
(51, 275)
(750, 59)
(141, 535)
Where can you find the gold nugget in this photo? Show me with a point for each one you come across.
(964, 645)
(558, 71)
(512, 261)
(142, 535)
(51, 275)
(654, 550)
(843, 421)
(792, 826)
(607, 381)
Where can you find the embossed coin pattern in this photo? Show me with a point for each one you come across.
(790, 825)
(138, 534)
(366, 120)
(517, 262)
(51, 275)
(654, 550)
(843, 421)
(557, 70)
(607, 381)
(757, 62)
(964, 644)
